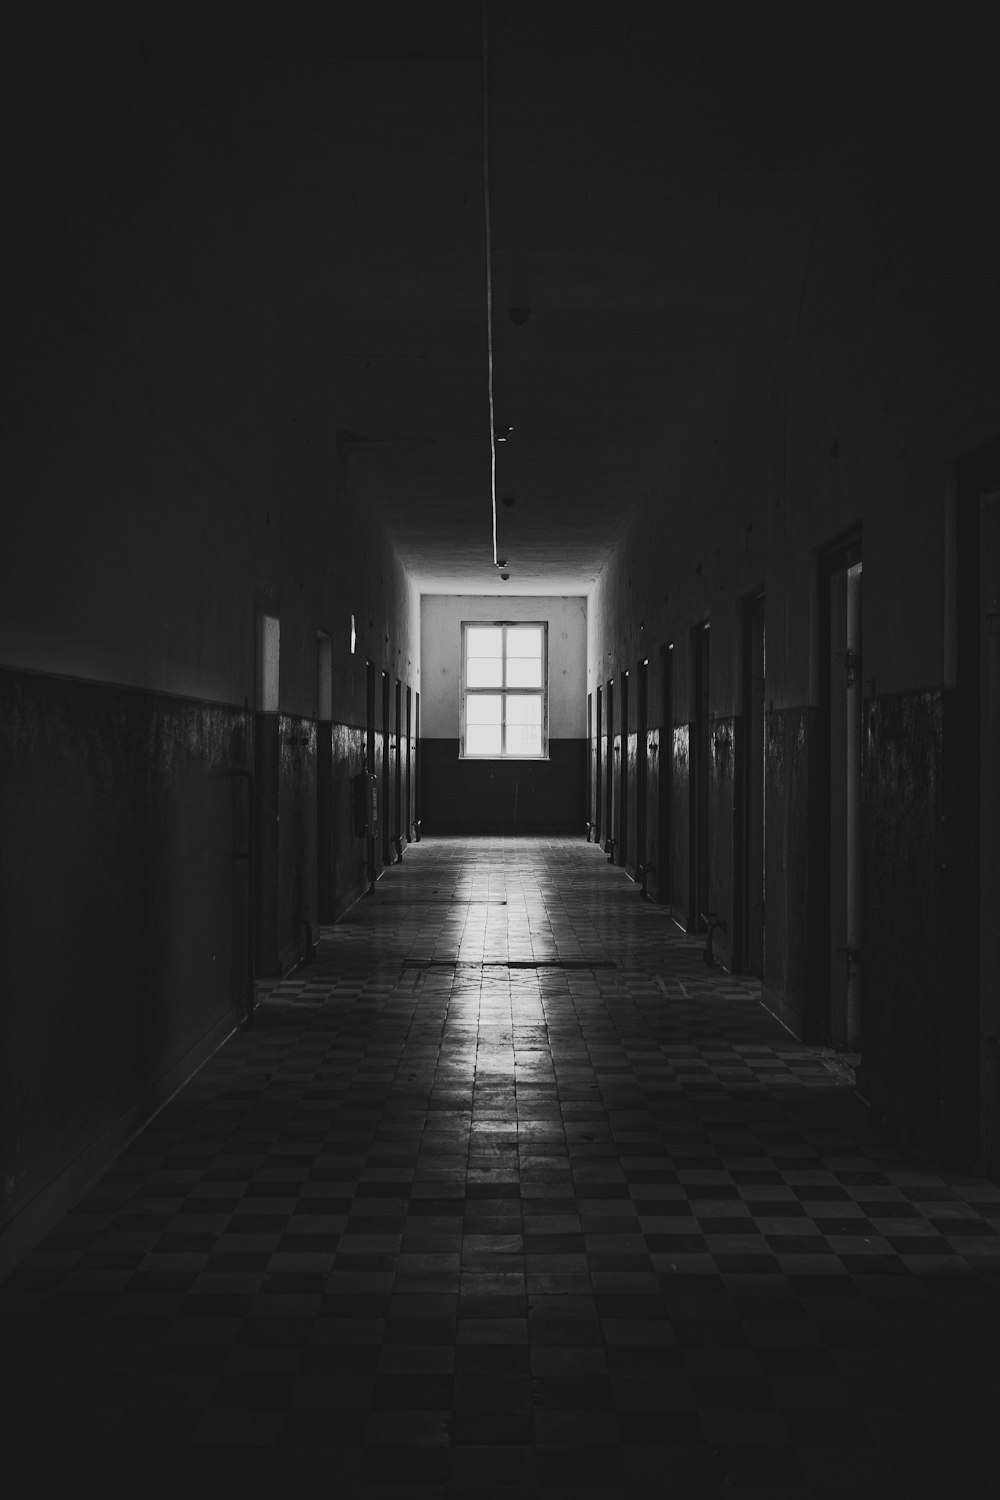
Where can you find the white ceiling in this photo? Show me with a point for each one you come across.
(649, 183)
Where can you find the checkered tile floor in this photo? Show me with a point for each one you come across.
(508, 1194)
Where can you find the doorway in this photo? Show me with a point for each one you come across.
(417, 759)
(598, 766)
(370, 845)
(841, 687)
(641, 768)
(409, 765)
(700, 903)
(267, 761)
(324, 777)
(590, 764)
(397, 773)
(623, 804)
(975, 1039)
(752, 907)
(663, 854)
(385, 777)
(609, 760)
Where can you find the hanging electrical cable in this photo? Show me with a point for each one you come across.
(489, 271)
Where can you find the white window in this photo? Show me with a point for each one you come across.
(504, 690)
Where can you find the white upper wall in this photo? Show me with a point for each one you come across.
(441, 617)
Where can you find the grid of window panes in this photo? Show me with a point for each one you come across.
(504, 690)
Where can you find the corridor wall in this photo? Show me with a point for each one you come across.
(849, 410)
(171, 476)
(502, 796)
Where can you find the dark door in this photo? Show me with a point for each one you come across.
(841, 749)
(610, 774)
(417, 799)
(267, 762)
(598, 768)
(397, 772)
(370, 761)
(989, 824)
(752, 904)
(386, 777)
(664, 853)
(409, 765)
(974, 1039)
(324, 778)
(623, 809)
(590, 764)
(700, 762)
(641, 767)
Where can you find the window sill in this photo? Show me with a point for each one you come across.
(505, 759)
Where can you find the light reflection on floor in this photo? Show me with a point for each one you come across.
(509, 1194)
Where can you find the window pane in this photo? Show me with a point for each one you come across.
(524, 739)
(482, 708)
(523, 672)
(482, 739)
(512, 658)
(524, 708)
(483, 671)
(524, 640)
(484, 640)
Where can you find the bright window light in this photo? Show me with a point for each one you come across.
(504, 711)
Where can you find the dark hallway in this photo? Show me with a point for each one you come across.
(499, 750)
(510, 1194)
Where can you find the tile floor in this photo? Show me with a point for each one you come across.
(508, 1194)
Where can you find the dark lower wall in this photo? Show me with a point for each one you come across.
(791, 953)
(124, 907)
(122, 912)
(503, 797)
(919, 1026)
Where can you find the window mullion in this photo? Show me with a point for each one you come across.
(503, 690)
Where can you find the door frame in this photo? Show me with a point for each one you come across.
(840, 900)
(749, 866)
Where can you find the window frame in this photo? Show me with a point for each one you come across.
(504, 691)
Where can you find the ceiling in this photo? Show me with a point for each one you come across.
(649, 178)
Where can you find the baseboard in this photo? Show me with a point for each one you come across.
(773, 1002)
